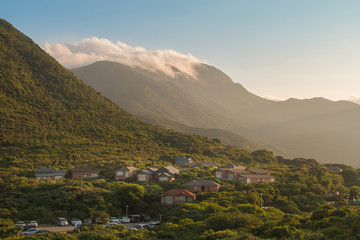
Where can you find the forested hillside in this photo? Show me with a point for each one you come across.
(50, 118)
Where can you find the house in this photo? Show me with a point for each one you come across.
(335, 169)
(255, 178)
(206, 164)
(228, 173)
(233, 166)
(85, 172)
(125, 172)
(203, 186)
(147, 175)
(183, 161)
(165, 177)
(48, 174)
(258, 171)
(177, 196)
(168, 169)
(250, 176)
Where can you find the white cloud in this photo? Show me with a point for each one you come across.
(271, 98)
(354, 99)
(94, 49)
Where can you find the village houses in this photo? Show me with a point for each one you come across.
(49, 174)
(203, 186)
(85, 172)
(177, 196)
(125, 172)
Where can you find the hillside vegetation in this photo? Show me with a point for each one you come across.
(49, 118)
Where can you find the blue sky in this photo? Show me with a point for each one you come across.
(276, 48)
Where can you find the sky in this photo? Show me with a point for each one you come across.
(277, 49)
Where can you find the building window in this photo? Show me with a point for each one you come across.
(219, 174)
(181, 199)
(94, 175)
(141, 177)
(57, 177)
(230, 176)
(127, 174)
(168, 199)
(242, 180)
(120, 173)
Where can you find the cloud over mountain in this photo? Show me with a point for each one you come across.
(89, 50)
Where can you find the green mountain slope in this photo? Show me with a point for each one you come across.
(48, 117)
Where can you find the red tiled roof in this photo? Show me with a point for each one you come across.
(176, 192)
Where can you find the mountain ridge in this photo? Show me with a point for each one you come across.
(246, 114)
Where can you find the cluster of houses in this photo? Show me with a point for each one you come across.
(230, 172)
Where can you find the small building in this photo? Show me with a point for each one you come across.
(49, 174)
(203, 186)
(165, 177)
(183, 161)
(125, 172)
(85, 172)
(255, 178)
(233, 166)
(206, 164)
(335, 169)
(177, 196)
(228, 173)
(147, 175)
(168, 169)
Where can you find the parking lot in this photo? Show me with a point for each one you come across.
(54, 228)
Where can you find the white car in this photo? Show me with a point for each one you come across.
(20, 223)
(31, 231)
(124, 220)
(109, 224)
(76, 221)
(33, 224)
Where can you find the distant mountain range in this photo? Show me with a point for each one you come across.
(314, 128)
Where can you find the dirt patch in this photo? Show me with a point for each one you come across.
(54, 228)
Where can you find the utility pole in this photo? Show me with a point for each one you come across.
(127, 206)
(261, 200)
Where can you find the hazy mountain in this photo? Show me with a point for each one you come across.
(314, 128)
(226, 137)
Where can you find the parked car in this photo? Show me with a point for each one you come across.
(141, 226)
(33, 224)
(109, 224)
(87, 221)
(124, 220)
(20, 223)
(76, 221)
(43, 231)
(61, 222)
(31, 231)
(113, 220)
(134, 218)
(154, 224)
(144, 218)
